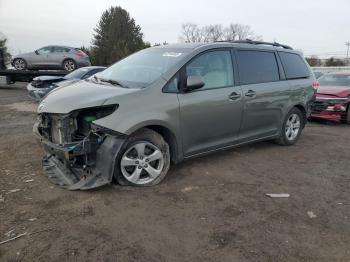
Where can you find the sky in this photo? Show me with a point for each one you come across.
(316, 27)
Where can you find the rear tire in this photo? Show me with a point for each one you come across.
(292, 128)
(20, 64)
(347, 119)
(144, 159)
(69, 65)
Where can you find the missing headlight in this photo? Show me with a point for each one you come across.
(86, 116)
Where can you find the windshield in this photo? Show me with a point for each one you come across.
(335, 80)
(77, 74)
(142, 68)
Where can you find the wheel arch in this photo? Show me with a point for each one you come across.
(69, 58)
(168, 136)
(303, 110)
(16, 58)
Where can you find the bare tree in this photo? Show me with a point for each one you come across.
(231, 32)
(211, 33)
(191, 33)
(240, 32)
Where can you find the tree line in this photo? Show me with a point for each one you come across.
(192, 33)
(332, 61)
(117, 35)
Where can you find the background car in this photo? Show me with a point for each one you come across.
(318, 74)
(52, 57)
(333, 97)
(42, 85)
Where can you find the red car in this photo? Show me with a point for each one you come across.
(333, 98)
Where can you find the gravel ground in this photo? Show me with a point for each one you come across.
(212, 208)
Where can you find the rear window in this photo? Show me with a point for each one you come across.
(294, 66)
(257, 67)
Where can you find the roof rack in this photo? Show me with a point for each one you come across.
(249, 41)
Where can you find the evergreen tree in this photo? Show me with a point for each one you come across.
(86, 50)
(116, 36)
(3, 48)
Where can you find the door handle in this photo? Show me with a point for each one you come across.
(250, 93)
(234, 96)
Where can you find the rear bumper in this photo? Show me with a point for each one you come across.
(82, 63)
(59, 167)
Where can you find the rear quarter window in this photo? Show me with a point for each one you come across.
(257, 67)
(294, 66)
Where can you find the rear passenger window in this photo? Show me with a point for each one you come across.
(257, 67)
(294, 66)
(59, 49)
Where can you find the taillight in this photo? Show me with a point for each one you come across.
(80, 53)
(315, 84)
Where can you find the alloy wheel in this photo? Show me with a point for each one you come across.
(20, 64)
(142, 163)
(292, 127)
(69, 65)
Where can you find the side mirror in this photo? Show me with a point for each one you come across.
(36, 52)
(194, 82)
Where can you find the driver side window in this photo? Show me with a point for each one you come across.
(214, 67)
(44, 50)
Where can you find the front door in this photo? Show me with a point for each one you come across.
(42, 57)
(211, 115)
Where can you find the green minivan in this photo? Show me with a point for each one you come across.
(165, 104)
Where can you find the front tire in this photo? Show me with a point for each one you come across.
(291, 128)
(20, 64)
(144, 159)
(69, 65)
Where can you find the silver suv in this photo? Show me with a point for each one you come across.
(52, 57)
(163, 105)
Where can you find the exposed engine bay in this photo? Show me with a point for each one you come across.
(79, 154)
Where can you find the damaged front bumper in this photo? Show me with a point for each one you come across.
(97, 160)
(332, 109)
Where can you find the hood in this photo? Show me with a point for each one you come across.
(67, 82)
(82, 94)
(339, 91)
(48, 78)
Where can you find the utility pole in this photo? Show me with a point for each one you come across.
(347, 52)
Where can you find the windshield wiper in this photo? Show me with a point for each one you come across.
(112, 82)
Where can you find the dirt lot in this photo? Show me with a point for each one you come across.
(209, 209)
